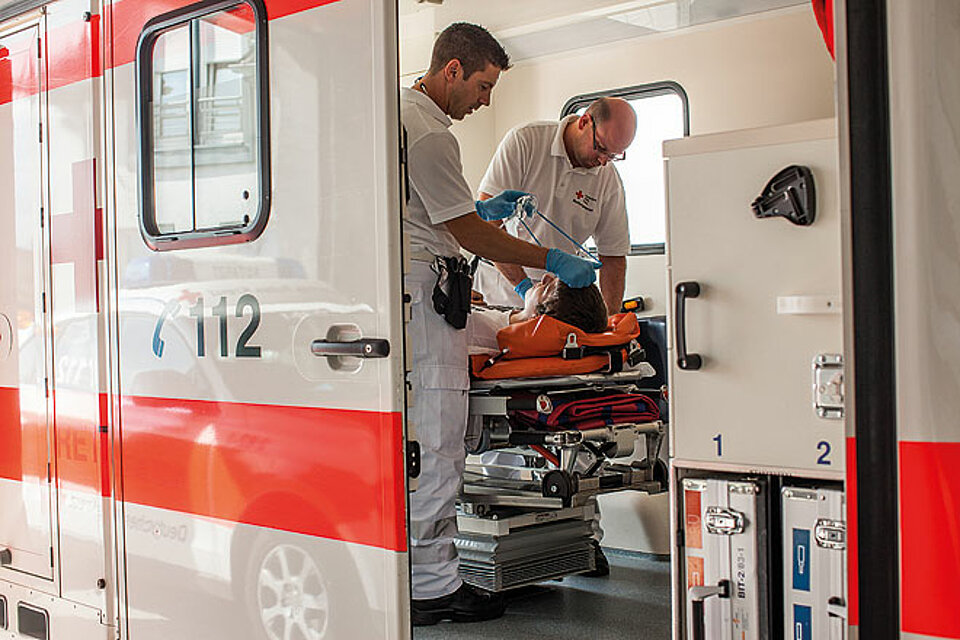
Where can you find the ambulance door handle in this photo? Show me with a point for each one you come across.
(362, 348)
(686, 361)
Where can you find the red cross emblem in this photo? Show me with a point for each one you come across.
(76, 236)
(579, 195)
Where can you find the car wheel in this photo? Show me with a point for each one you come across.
(288, 595)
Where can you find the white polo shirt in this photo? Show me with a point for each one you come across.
(438, 190)
(584, 202)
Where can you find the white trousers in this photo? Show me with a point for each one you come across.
(437, 408)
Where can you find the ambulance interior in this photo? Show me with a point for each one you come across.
(689, 68)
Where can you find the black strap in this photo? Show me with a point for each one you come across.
(578, 352)
(616, 361)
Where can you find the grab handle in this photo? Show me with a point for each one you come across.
(687, 361)
(837, 612)
(697, 596)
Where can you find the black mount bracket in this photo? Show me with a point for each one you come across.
(790, 194)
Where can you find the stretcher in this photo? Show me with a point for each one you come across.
(557, 463)
(526, 517)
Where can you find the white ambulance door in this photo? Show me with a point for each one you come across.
(25, 299)
(756, 305)
(259, 321)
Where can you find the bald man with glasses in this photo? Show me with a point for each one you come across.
(568, 166)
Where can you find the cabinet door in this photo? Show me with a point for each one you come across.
(769, 301)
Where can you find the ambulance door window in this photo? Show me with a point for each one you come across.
(204, 127)
(662, 114)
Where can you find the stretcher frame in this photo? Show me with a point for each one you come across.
(539, 487)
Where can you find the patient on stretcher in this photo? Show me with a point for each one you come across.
(583, 308)
(560, 331)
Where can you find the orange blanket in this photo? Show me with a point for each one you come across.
(532, 349)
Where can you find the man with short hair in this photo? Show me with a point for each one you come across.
(567, 165)
(442, 217)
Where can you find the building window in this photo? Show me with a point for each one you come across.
(661, 115)
(204, 125)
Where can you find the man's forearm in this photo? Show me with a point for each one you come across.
(613, 275)
(512, 272)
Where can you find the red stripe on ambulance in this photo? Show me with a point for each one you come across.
(73, 51)
(930, 543)
(23, 447)
(11, 465)
(333, 473)
(130, 16)
(273, 466)
(853, 575)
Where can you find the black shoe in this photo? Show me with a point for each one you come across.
(466, 604)
(602, 567)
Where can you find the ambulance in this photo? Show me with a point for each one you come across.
(202, 354)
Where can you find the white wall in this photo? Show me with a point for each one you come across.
(755, 71)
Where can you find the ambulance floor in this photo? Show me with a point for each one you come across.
(632, 602)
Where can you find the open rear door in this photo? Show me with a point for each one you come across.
(259, 321)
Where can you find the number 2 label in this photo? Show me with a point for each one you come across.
(824, 448)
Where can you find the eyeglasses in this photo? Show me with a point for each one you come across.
(614, 157)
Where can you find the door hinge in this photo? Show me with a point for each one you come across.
(43, 301)
(39, 48)
(46, 388)
(40, 129)
(49, 472)
(51, 557)
(41, 218)
(413, 459)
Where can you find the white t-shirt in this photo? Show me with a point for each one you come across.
(438, 190)
(584, 202)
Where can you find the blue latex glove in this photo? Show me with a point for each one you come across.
(523, 286)
(502, 205)
(573, 271)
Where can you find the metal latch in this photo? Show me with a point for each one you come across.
(831, 534)
(828, 386)
(726, 522)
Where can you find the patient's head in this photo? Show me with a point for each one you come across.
(583, 308)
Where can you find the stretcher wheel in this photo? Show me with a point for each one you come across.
(559, 484)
